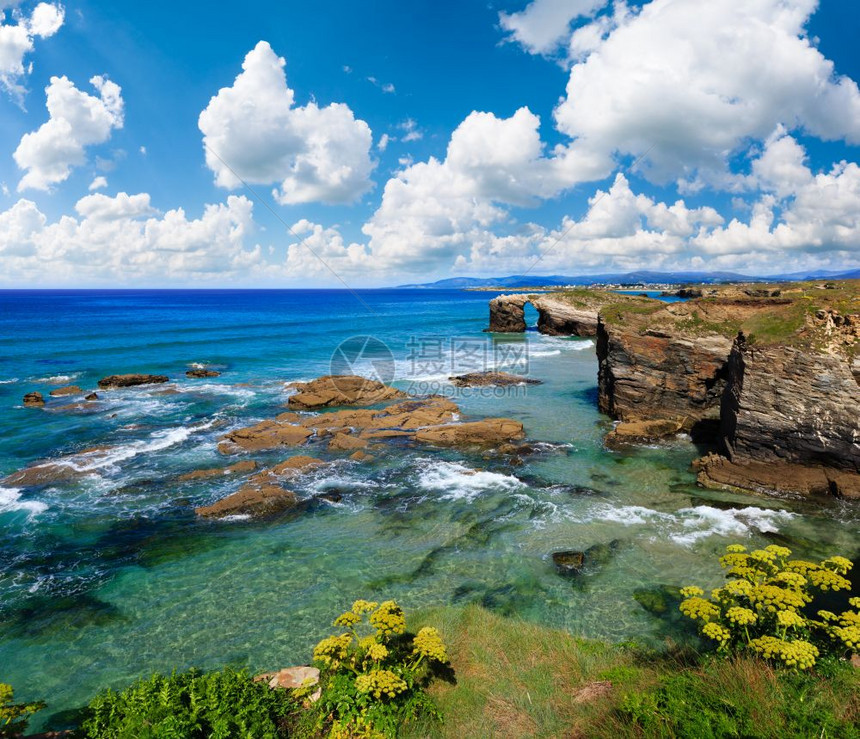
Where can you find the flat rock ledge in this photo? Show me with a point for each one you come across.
(263, 494)
(780, 478)
(202, 372)
(340, 390)
(116, 381)
(642, 432)
(491, 379)
(67, 390)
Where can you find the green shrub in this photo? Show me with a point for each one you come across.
(14, 717)
(373, 674)
(189, 705)
(763, 607)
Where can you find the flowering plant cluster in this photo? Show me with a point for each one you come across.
(373, 673)
(763, 606)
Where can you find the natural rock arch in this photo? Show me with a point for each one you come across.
(556, 316)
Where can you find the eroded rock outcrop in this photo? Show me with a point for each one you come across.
(654, 375)
(771, 370)
(568, 313)
(34, 400)
(263, 494)
(131, 380)
(202, 372)
(486, 432)
(340, 390)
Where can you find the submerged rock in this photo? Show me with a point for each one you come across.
(201, 372)
(67, 390)
(131, 380)
(338, 390)
(483, 379)
(569, 562)
(34, 400)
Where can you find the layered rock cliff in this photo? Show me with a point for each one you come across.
(771, 371)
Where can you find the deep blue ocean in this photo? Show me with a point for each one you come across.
(106, 574)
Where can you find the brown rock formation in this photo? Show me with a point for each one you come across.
(254, 499)
(339, 390)
(567, 313)
(264, 435)
(649, 375)
(201, 372)
(489, 431)
(67, 390)
(115, 381)
(507, 314)
(262, 495)
(641, 432)
(484, 379)
(248, 465)
(34, 400)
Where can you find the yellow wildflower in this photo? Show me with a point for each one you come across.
(348, 619)
(379, 683)
(789, 619)
(690, 591)
(741, 616)
(363, 606)
(428, 643)
(388, 618)
(699, 609)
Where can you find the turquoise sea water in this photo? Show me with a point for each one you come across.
(108, 575)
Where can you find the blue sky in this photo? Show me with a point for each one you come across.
(424, 140)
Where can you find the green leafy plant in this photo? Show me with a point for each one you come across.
(373, 674)
(189, 705)
(14, 717)
(763, 607)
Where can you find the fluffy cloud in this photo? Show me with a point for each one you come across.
(431, 210)
(125, 240)
(252, 131)
(802, 212)
(76, 120)
(685, 84)
(544, 24)
(17, 40)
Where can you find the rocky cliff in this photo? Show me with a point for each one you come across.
(771, 371)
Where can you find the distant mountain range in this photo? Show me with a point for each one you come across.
(626, 278)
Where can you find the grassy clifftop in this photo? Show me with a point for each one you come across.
(517, 679)
(806, 315)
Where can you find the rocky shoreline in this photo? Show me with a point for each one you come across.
(765, 377)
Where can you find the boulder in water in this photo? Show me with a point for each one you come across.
(115, 381)
(34, 400)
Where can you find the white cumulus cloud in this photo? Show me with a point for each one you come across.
(252, 131)
(76, 120)
(125, 240)
(685, 84)
(17, 40)
(544, 24)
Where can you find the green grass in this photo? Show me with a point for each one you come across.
(516, 679)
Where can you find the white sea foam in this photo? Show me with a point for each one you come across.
(628, 515)
(544, 353)
(57, 379)
(102, 459)
(458, 482)
(10, 500)
(10, 381)
(703, 521)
